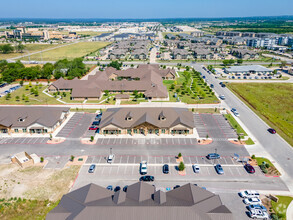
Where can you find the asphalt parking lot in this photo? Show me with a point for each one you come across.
(56, 162)
(77, 125)
(153, 159)
(215, 126)
(24, 140)
(146, 141)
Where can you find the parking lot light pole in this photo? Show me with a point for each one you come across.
(110, 150)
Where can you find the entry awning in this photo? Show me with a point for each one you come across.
(37, 128)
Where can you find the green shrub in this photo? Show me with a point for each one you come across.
(267, 165)
(179, 155)
(253, 156)
(181, 166)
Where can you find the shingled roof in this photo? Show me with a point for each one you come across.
(150, 81)
(172, 117)
(140, 202)
(46, 116)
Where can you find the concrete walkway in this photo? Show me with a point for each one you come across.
(289, 213)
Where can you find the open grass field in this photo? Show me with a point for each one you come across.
(175, 33)
(273, 102)
(41, 99)
(70, 52)
(281, 206)
(23, 209)
(29, 48)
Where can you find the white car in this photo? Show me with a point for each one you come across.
(252, 201)
(258, 214)
(249, 194)
(196, 168)
(236, 114)
(110, 158)
(143, 168)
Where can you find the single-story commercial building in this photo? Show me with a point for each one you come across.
(146, 79)
(248, 70)
(30, 119)
(140, 201)
(116, 121)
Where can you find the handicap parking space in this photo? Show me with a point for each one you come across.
(24, 140)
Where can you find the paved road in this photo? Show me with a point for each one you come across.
(279, 150)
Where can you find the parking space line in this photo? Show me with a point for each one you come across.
(132, 169)
(102, 140)
(100, 159)
(103, 170)
(238, 171)
(190, 160)
(35, 140)
(208, 171)
(225, 160)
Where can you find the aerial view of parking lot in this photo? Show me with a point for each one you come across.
(146, 110)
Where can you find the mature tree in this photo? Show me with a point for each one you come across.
(239, 61)
(20, 47)
(115, 64)
(6, 48)
(47, 71)
(181, 166)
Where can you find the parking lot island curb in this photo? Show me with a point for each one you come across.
(205, 142)
(55, 141)
(89, 142)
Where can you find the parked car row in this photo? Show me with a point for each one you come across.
(3, 84)
(96, 123)
(254, 205)
(11, 89)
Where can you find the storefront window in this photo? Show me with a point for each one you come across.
(135, 131)
(24, 130)
(128, 131)
(119, 131)
(45, 130)
(16, 130)
(157, 131)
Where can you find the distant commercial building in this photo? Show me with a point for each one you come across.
(141, 201)
(249, 69)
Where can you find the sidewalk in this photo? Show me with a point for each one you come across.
(289, 212)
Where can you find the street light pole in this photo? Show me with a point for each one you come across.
(110, 150)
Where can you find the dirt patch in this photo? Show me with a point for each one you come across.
(35, 182)
(204, 142)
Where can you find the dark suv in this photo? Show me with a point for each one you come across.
(213, 156)
(166, 169)
(147, 178)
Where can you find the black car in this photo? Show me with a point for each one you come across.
(212, 85)
(177, 186)
(147, 178)
(272, 131)
(117, 188)
(125, 188)
(166, 169)
(223, 85)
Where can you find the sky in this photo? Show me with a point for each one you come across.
(143, 8)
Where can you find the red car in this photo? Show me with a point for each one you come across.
(93, 128)
(272, 131)
(249, 168)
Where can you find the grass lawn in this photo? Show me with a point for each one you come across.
(70, 52)
(272, 170)
(84, 110)
(192, 97)
(28, 49)
(272, 102)
(249, 142)
(41, 99)
(205, 110)
(133, 102)
(235, 125)
(281, 206)
(18, 208)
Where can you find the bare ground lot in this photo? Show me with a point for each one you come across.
(35, 182)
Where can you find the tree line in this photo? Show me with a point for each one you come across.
(10, 72)
(8, 48)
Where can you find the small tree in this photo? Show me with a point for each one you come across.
(42, 159)
(30, 84)
(179, 155)
(8, 96)
(17, 98)
(253, 157)
(106, 92)
(27, 87)
(26, 99)
(23, 96)
(181, 166)
(207, 136)
(21, 83)
(92, 138)
(239, 138)
(72, 158)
